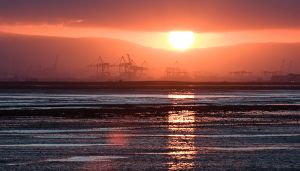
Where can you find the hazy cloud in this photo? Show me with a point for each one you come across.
(156, 15)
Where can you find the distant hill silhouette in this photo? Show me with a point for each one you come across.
(35, 56)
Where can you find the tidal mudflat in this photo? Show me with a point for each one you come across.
(150, 130)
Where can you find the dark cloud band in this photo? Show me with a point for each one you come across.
(156, 15)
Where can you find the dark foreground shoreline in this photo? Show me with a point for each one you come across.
(153, 85)
(147, 109)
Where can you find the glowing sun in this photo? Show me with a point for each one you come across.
(181, 40)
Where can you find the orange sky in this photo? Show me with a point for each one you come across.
(159, 39)
(216, 23)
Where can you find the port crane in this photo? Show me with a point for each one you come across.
(175, 72)
(129, 69)
(102, 68)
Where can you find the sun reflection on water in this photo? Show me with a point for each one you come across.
(181, 96)
(182, 148)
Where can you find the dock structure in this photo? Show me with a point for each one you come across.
(175, 72)
(102, 69)
(267, 75)
(127, 69)
(241, 73)
(286, 78)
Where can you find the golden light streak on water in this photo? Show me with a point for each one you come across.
(182, 148)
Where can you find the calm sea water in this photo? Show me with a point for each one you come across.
(168, 140)
(17, 99)
(175, 140)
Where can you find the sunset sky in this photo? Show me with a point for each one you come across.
(210, 37)
(215, 22)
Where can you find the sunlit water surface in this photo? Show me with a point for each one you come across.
(172, 140)
(87, 98)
